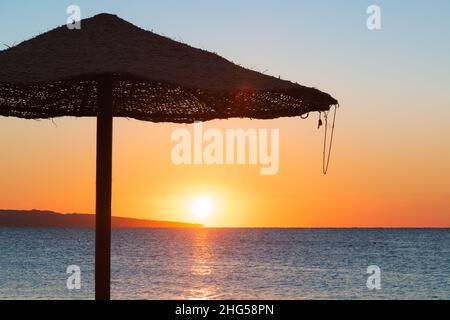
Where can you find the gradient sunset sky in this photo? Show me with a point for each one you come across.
(390, 165)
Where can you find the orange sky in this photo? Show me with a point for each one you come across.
(375, 178)
(390, 164)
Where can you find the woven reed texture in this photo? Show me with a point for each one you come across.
(155, 78)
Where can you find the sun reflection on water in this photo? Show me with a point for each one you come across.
(201, 269)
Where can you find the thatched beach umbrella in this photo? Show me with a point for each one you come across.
(111, 68)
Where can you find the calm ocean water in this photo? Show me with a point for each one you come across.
(230, 263)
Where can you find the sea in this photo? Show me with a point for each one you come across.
(291, 264)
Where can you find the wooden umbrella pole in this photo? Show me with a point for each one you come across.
(103, 189)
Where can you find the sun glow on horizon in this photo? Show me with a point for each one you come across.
(202, 207)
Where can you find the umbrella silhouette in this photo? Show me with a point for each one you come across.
(111, 68)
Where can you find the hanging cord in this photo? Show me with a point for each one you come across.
(326, 158)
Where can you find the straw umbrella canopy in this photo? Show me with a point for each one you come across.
(111, 68)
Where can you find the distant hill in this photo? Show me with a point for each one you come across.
(50, 219)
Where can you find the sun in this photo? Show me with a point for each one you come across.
(202, 207)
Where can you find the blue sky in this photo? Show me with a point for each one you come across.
(321, 43)
(312, 42)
